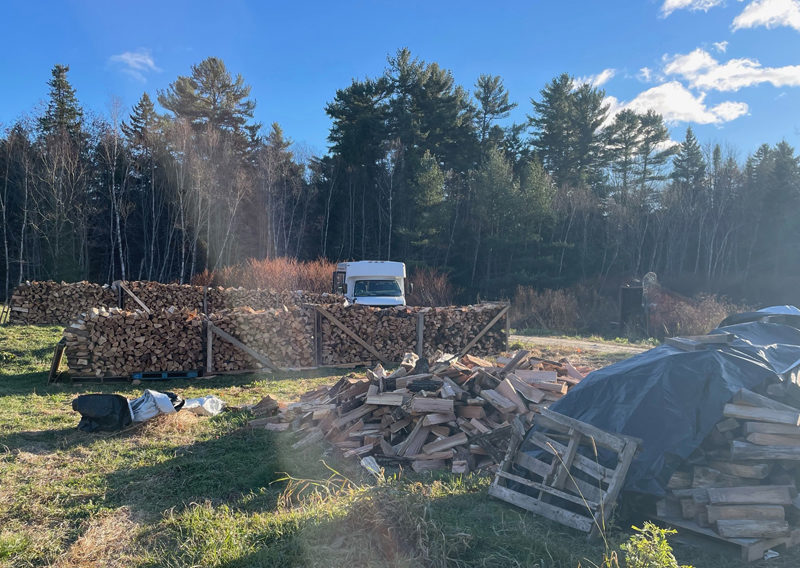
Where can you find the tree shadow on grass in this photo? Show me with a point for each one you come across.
(220, 469)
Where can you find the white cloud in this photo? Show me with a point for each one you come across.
(670, 6)
(135, 63)
(770, 14)
(599, 79)
(645, 74)
(720, 46)
(676, 103)
(706, 73)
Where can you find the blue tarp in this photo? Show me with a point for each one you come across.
(672, 399)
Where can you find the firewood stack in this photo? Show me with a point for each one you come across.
(57, 302)
(228, 298)
(393, 331)
(285, 335)
(741, 483)
(116, 343)
(456, 416)
(449, 329)
(158, 296)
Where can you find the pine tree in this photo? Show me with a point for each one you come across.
(63, 113)
(689, 166)
(493, 103)
(210, 96)
(141, 123)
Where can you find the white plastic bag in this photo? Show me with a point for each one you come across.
(151, 404)
(208, 405)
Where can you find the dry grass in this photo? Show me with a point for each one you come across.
(107, 542)
(273, 274)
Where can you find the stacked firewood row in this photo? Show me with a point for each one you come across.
(285, 336)
(114, 342)
(57, 302)
(60, 302)
(392, 331)
(451, 414)
(450, 329)
(741, 482)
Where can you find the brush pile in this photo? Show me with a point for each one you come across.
(57, 302)
(450, 415)
(740, 484)
(284, 335)
(115, 343)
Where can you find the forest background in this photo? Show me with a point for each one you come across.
(418, 169)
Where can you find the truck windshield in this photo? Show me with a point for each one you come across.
(367, 288)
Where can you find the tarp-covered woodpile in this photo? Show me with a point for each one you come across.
(720, 428)
(451, 414)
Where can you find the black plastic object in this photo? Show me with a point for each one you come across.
(672, 399)
(102, 412)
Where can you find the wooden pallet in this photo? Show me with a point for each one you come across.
(563, 484)
(751, 549)
(164, 375)
(58, 354)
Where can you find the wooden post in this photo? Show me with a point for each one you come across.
(205, 300)
(317, 338)
(209, 348)
(508, 327)
(420, 333)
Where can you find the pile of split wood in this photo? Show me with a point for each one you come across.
(114, 342)
(57, 302)
(285, 336)
(741, 482)
(454, 415)
(393, 331)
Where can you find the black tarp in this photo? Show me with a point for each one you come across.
(102, 412)
(671, 399)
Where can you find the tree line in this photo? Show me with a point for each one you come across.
(418, 169)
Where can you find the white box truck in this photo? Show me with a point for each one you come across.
(371, 282)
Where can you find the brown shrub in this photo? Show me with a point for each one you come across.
(671, 314)
(555, 310)
(431, 288)
(273, 274)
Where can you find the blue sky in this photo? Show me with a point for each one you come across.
(728, 68)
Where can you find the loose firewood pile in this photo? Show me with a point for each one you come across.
(285, 336)
(114, 342)
(57, 302)
(228, 298)
(453, 415)
(741, 483)
(393, 331)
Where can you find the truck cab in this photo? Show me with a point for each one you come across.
(371, 282)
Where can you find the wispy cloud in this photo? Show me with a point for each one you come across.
(676, 104)
(770, 14)
(670, 6)
(599, 79)
(135, 63)
(720, 46)
(706, 73)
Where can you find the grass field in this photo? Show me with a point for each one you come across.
(181, 490)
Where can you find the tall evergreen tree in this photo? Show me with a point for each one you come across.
(493, 103)
(63, 113)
